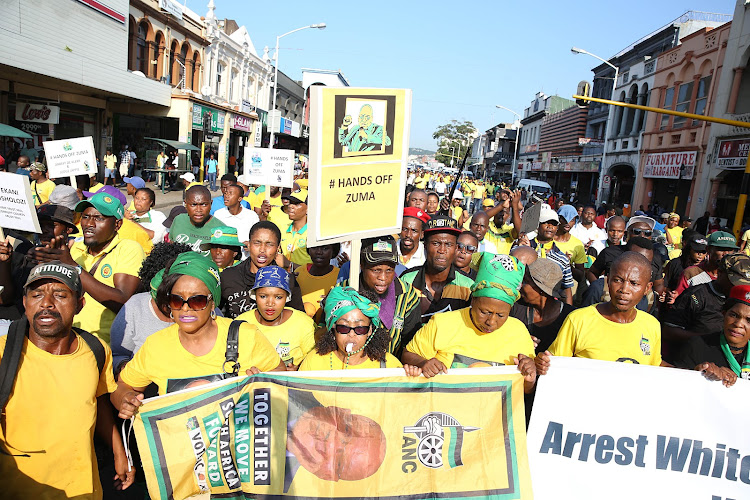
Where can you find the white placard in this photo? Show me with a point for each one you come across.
(17, 209)
(270, 167)
(610, 430)
(68, 157)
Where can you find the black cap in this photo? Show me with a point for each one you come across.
(57, 213)
(379, 251)
(442, 224)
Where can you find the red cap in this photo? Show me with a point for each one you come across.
(417, 213)
(741, 293)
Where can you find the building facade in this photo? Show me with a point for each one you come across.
(497, 152)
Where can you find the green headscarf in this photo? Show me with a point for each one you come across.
(155, 282)
(196, 265)
(499, 277)
(342, 300)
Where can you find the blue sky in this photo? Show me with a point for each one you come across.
(459, 58)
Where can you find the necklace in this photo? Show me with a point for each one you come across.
(349, 354)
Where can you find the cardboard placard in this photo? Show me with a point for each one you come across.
(270, 167)
(68, 157)
(17, 209)
(530, 220)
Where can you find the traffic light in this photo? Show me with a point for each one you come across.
(584, 89)
(207, 123)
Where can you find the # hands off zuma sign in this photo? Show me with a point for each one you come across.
(291, 436)
(358, 155)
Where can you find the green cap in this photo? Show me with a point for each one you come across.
(198, 266)
(499, 277)
(105, 203)
(722, 239)
(223, 236)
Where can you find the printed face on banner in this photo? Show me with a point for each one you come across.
(366, 127)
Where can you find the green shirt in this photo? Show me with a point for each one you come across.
(183, 231)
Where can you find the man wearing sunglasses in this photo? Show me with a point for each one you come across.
(467, 246)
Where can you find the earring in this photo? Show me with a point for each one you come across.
(213, 313)
(170, 315)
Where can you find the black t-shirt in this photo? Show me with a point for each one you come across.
(673, 273)
(20, 268)
(698, 309)
(607, 256)
(704, 349)
(547, 333)
(236, 284)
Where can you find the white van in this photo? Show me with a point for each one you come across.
(540, 187)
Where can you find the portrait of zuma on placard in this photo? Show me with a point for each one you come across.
(364, 125)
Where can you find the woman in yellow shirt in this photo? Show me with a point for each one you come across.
(291, 331)
(354, 337)
(483, 334)
(193, 351)
(674, 231)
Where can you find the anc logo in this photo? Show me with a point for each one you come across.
(106, 271)
(67, 146)
(107, 199)
(441, 438)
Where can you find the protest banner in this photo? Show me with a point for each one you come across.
(359, 146)
(70, 157)
(372, 434)
(269, 167)
(16, 204)
(615, 430)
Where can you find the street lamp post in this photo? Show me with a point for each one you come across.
(576, 50)
(319, 26)
(515, 144)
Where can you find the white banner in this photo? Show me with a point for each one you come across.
(619, 431)
(16, 203)
(270, 167)
(68, 157)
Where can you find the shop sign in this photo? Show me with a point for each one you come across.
(32, 127)
(106, 7)
(295, 129)
(241, 123)
(262, 116)
(247, 107)
(37, 113)
(536, 165)
(673, 165)
(258, 133)
(588, 141)
(171, 7)
(217, 118)
(733, 154)
(531, 148)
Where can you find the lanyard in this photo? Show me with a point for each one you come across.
(743, 371)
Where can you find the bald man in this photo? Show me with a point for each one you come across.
(365, 136)
(613, 330)
(524, 254)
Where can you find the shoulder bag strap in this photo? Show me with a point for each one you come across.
(11, 358)
(233, 349)
(96, 347)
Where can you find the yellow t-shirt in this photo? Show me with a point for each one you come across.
(420, 182)
(746, 238)
(468, 188)
(277, 215)
(456, 212)
(315, 287)
(96, 187)
(134, 232)
(53, 408)
(41, 191)
(573, 248)
(119, 257)
(315, 361)
(452, 338)
(294, 338)
(676, 234)
(294, 245)
(163, 361)
(587, 334)
(110, 161)
(479, 191)
(502, 238)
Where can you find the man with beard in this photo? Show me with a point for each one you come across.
(410, 247)
(197, 225)
(399, 301)
(237, 281)
(63, 372)
(440, 286)
(613, 330)
(107, 264)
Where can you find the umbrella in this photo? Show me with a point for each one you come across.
(8, 131)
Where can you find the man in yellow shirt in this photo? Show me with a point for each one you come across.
(108, 265)
(61, 372)
(41, 187)
(614, 330)
(506, 220)
(272, 209)
(110, 167)
(294, 239)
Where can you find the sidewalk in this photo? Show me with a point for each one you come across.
(165, 202)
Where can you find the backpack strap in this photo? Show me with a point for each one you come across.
(232, 354)
(96, 347)
(11, 358)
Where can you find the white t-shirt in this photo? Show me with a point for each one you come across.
(440, 187)
(416, 260)
(242, 222)
(155, 224)
(599, 236)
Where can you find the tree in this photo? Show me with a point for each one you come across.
(454, 139)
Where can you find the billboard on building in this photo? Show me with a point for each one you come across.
(732, 154)
(670, 165)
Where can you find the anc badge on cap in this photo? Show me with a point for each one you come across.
(223, 236)
(106, 204)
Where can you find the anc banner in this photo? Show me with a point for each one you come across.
(372, 434)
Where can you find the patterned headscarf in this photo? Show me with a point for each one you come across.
(198, 266)
(272, 277)
(155, 282)
(499, 277)
(342, 300)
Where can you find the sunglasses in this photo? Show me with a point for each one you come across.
(645, 232)
(468, 248)
(359, 330)
(195, 302)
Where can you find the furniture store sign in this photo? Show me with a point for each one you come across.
(675, 165)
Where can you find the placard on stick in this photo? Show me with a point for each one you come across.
(70, 157)
(270, 167)
(17, 209)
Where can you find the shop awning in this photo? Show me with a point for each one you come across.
(174, 144)
(8, 131)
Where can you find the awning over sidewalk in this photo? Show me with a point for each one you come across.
(174, 144)
(8, 131)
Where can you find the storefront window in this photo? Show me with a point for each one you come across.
(668, 98)
(683, 103)
(701, 98)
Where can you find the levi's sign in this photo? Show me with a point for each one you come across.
(37, 113)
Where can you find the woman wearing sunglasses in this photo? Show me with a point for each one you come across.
(192, 351)
(291, 331)
(354, 337)
(466, 247)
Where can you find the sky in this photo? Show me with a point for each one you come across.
(459, 58)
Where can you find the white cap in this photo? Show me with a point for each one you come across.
(457, 195)
(546, 214)
(244, 179)
(641, 218)
(188, 176)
